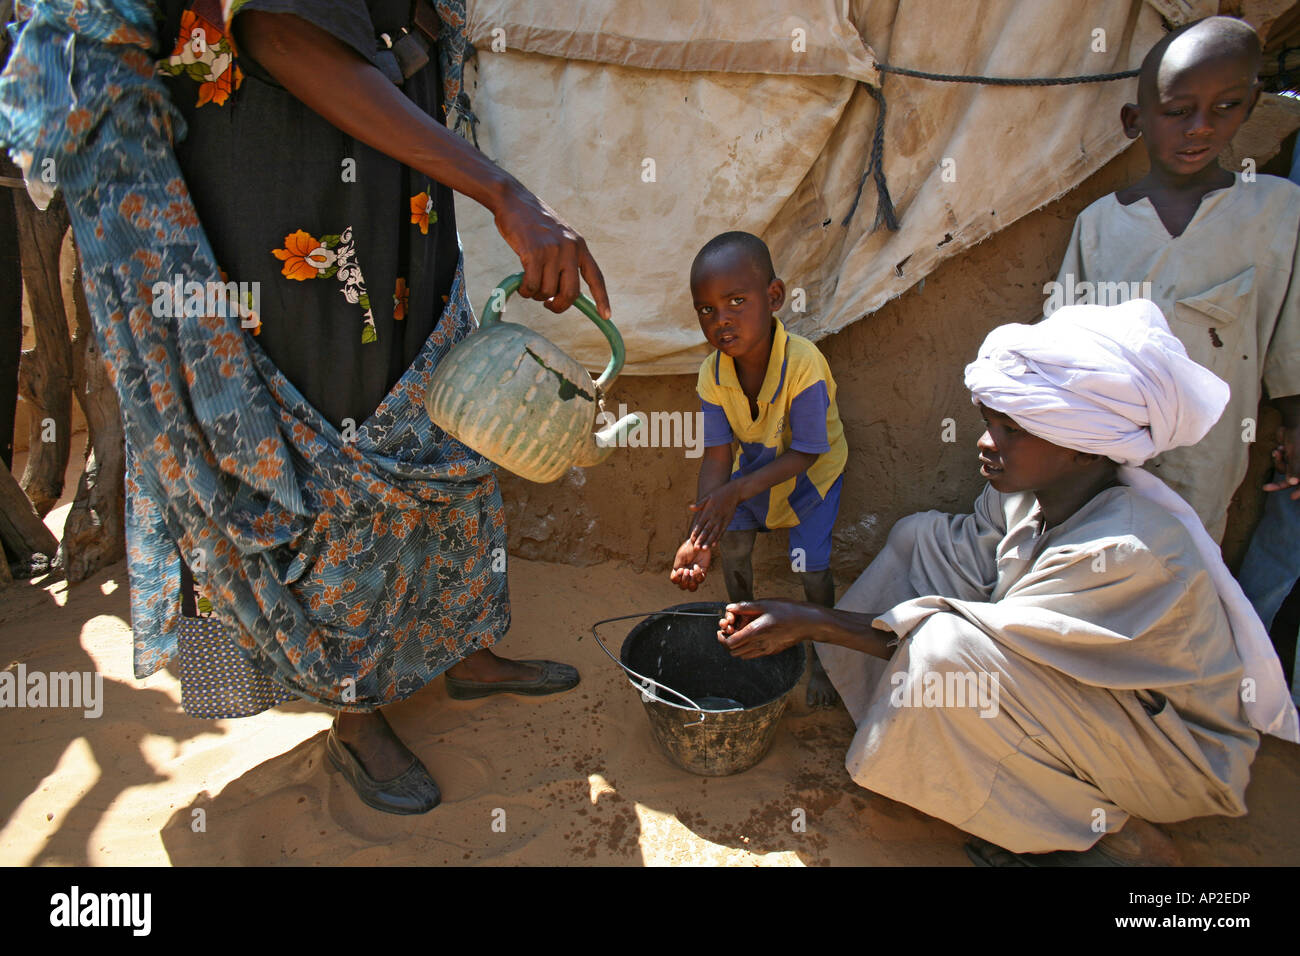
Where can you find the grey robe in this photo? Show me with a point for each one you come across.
(1109, 675)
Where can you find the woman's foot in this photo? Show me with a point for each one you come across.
(384, 774)
(485, 667)
(483, 674)
(372, 741)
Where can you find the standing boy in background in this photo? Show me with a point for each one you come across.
(1218, 250)
(774, 394)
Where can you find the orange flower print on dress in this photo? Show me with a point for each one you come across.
(329, 257)
(207, 56)
(218, 90)
(400, 298)
(303, 255)
(422, 211)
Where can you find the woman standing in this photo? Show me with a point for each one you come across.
(279, 459)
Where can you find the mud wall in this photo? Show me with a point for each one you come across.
(899, 374)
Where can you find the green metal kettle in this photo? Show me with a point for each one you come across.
(515, 398)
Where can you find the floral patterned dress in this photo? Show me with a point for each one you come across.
(348, 562)
(353, 253)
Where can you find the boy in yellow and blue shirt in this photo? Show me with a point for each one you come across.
(771, 393)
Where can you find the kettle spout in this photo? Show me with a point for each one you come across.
(602, 444)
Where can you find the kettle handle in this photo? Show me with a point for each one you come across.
(497, 300)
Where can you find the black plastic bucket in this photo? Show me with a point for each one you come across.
(736, 703)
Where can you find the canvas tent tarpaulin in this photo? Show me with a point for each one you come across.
(651, 129)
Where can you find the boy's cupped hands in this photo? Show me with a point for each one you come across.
(691, 565)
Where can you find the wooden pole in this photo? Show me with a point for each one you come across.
(95, 533)
(20, 526)
(45, 373)
(11, 311)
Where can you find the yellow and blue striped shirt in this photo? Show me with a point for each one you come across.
(796, 410)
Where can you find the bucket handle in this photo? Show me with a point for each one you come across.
(641, 683)
(497, 301)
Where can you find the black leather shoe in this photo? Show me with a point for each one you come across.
(555, 678)
(411, 791)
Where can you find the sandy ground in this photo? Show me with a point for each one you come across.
(571, 779)
(576, 779)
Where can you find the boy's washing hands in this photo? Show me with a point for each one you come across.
(773, 394)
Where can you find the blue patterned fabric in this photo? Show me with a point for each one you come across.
(350, 571)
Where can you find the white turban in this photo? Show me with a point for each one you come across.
(1110, 380)
(1113, 381)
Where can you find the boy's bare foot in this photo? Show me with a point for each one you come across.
(379, 750)
(821, 692)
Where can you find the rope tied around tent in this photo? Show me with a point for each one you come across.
(876, 166)
(1007, 80)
